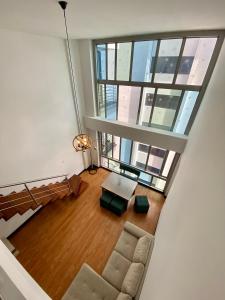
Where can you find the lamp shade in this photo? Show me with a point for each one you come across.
(82, 142)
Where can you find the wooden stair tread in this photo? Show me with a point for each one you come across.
(20, 202)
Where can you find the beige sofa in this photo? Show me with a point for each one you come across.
(123, 275)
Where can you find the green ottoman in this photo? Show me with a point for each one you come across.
(106, 199)
(141, 204)
(117, 205)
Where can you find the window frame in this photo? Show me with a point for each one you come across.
(219, 34)
(145, 170)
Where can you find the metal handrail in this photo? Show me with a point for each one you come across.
(3, 209)
(33, 194)
(30, 195)
(30, 181)
(25, 191)
(15, 205)
(50, 194)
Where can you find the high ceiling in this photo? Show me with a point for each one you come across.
(104, 18)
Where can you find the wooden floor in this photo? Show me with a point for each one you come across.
(63, 235)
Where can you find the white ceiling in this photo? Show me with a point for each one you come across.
(104, 18)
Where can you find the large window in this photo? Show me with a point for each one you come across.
(154, 163)
(154, 82)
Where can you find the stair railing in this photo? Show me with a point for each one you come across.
(33, 197)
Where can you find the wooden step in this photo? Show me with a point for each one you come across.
(20, 202)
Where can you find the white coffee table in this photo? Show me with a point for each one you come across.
(119, 185)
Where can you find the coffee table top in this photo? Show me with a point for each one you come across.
(119, 185)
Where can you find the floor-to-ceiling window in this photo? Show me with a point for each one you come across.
(153, 82)
(153, 162)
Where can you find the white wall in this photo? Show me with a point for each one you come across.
(15, 282)
(188, 260)
(37, 119)
(9, 226)
(87, 74)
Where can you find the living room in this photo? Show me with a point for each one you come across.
(124, 73)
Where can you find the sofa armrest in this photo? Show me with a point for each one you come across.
(89, 285)
(135, 230)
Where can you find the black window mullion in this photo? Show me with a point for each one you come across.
(146, 164)
(115, 70)
(177, 110)
(151, 180)
(179, 60)
(131, 150)
(101, 147)
(112, 146)
(139, 106)
(106, 61)
(155, 61)
(153, 85)
(117, 102)
(131, 60)
(106, 145)
(105, 101)
(153, 106)
(120, 149)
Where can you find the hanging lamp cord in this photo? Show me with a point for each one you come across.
(72, 76)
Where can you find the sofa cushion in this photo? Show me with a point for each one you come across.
(135, 230)
(89, 285)
(116, 269)
(126, 245)
(132, 279)
(142, 250)
(123, 296)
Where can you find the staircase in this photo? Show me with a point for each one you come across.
(25, 199)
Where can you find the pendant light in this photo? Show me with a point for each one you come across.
(82, 141)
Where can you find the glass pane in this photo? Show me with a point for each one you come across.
(158, 183)
(142, 60)
(109, 145)
(155, 160)
(125, 150)
(129, 98)
(195, 60)
(123, 61)
(111, 102)
(165, 108)
(103, 145)
(101, 100)
(146, 106)
(116, 147)
(104, 162)
(167, 60)
(114, 166)
(111, 61)
(168, 163)
(139, 155)
(145, 178)
(101, 61)
(186, 108)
